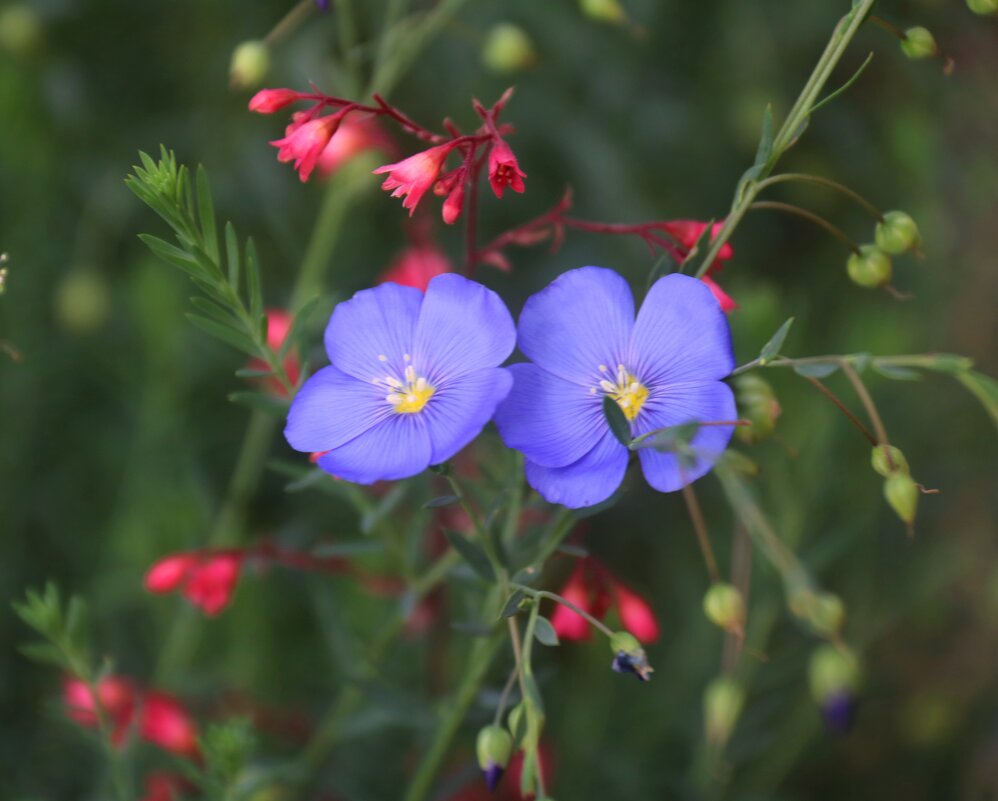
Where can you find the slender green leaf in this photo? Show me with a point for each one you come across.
(473, 554)
(897, 373)
(45, 653)
(512, 605)
(250, 372)
(213, 310)
(985, 388)
(253, 287)
(765, 150)
(544, 632)
(815, 370)
(441, 500)
(237, 339)
(232, 256)
(206, 215)
(173, 255)
(772, 348)
(846, 85)
(617, 421)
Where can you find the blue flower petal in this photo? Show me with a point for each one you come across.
(374, 322)
(463, 327)
(397, 447)
(581, 320)
(590, 480)
(331, 409)
(553, 422)
(683, 403)
(681, 334)
(461, 407)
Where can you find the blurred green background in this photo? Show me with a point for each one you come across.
(117, 441)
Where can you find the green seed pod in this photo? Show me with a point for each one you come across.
(871, 267)
(902, 494)
(832, 671)
(897, 233)
(250, 65)
(494, 748)
(983, 6)
(722, 704)
(724, 606)
(880, 462)
(919, 43)
(508, 49)
(757, 403)
(826, 614)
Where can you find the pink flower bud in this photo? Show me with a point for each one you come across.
(454, 204)
(688, 232)
(169, 573)
(166, 723)
(413, 176)
(117, 697)
(212, 581)
(503, 169)
(305, 139)
(279, 324)
(267, 101)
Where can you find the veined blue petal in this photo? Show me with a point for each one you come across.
(553, 422)
(331, 409)
(461, 407)
(581, 320)
(681, 334)
(374, 322)
(397, 447)
(702, 402)
(590, 480)
(463, 327)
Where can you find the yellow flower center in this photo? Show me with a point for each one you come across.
(629, 393)
(409, 395)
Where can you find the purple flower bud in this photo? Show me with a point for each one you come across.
(493, 773)
(839, 712)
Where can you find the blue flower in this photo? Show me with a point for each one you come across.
(663, 369)
(413, 379)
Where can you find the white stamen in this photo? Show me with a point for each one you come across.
(410, 374)
(607, 386)
(421, 385)
(382, 358)
(393, 382)
(603, 368)
(394, 400)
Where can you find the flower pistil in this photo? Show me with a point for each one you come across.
(409, 395)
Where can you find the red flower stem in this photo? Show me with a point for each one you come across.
(473, 173)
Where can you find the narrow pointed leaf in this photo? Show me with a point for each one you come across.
(545, 633)
(473, 554)
(772, 348)
(617, 421)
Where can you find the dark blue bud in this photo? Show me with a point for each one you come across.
(493, 773)
(839, 712)
(624, 663)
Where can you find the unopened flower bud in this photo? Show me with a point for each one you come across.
(983, 6)
(81, 301)
(886, 466)
(871, 267)
(629, 656)
(508, 49)
(834, 679)
(603, 10)
(826, 614)
(757, 403)
(724, 606)
(495, 747)
(250, 64)
(919, 43)
(901, 493)
(897, 233)
(722, 704)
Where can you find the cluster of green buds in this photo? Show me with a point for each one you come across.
(724, 606)
(722, 705)
(835, 677)
(629, 656)
(757, 403)
(895, 234)
(900, 489)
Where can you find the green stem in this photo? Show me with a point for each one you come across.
(817, 219)
(551, 596)
(801, 177)
(843, 34)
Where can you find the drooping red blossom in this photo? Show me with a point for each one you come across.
(306, 138)
(354, 136)
(416, 265)
(267, 101)
(413, 176)
(594, 589)
(688, 233)
(453, 205)
(503, 169)
(727, 304)
(155, 717)
(207, 580)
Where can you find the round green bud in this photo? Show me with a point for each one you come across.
(250, 65)
(724, 606)
(508, 49)
(871, 267)
(722, 704)
(603, 10)
(919, 43)
(901, 493)
(624, 641)
(629, 656)
(983, 6)
(884, 466)
(897, 233)
(757, 404)
(832, 670)
(826, 614)
(494, 747)
(81, 302)
(20, 29)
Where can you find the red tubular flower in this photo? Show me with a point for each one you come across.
(413, 176)
(416, 265)
(727, 304)
(688, 233)
(353, 137)
(305, 139)
(503, 169)
(267, 101)
(594, 589)
(166, 723)
(454, 204)
(117, 697)
(206, 580)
